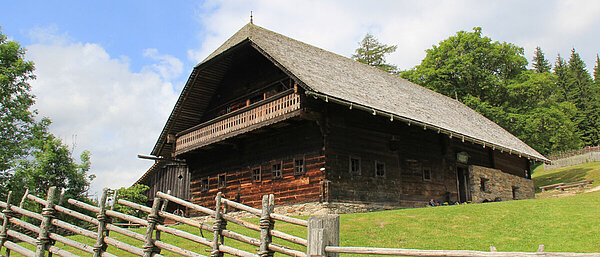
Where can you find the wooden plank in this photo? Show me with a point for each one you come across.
(448, 253)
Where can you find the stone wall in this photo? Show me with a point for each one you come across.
(498, 185)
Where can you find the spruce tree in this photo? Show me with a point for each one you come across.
(372, 52)
(561, 72)
(583, 94)
(540, 63)
(597, 71)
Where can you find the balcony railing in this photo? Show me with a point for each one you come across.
(231, 124)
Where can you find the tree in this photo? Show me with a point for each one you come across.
(134, 194)
(16, 118)
(540, 63)
(469, 64)
(491, 78)
(372, 52)
(51, 164)
(597, 71)
(561, 71)
(583, 93)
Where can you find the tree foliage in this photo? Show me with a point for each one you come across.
(16, 118)
(540, 63)
(30, 156)
(469, 65)
(372, 52)
(134, 194)
(491, 77)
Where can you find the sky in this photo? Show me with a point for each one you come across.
(109, 72)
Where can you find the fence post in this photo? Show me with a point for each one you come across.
(266, 225)
(8, 213)
(322, 231)
(100, 245)
(218, 227)
(163, 207)
(47, 216)
(153, 220)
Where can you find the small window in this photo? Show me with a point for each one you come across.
(204, 185)
(354, 166)
(299, 166)
(515, 193)
(256, 176)
(426, 174)
(276, 170)
(483, 184)
(222, 180)
(379, 169)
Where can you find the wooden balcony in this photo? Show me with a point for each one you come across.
(266, 112)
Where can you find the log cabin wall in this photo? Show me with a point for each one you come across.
(174, 177)
(417, 164)
(295, 146)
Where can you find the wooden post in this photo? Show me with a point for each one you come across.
(266, 225)
(322, 231)
(153, 220)
(162, 209)
(218, 226)
(100, 246)
(6, 224)
(43, 240)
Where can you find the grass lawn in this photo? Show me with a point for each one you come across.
(564, 224)
(586, 171)
(567, 224)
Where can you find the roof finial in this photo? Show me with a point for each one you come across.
(251, 21)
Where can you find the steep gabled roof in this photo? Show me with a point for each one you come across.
(334, 77)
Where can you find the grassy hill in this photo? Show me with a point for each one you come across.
(586, 171)
(565, 224)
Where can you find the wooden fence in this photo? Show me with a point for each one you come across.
(322, 231)
(572, 158)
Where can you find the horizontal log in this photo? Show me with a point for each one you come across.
(246, 224)
(53, 236)
(258, 212)
(207, 227)
(32, 241)
(448, 253)
(19, 249)
(80, 231)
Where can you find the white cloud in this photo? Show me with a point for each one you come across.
(114, 112)
(413, 26)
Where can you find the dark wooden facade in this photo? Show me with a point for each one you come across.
(260, 132)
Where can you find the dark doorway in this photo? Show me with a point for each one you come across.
(462, 179)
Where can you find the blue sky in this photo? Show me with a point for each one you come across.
(109, 72)
(122, 28)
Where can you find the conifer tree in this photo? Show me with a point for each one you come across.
(540, 63)
(561, 72)
(597, 71)
(372, 52)
(583, 94)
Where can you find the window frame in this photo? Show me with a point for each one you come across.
(259, 168)
(204, 184)
(277, 173)
(377, 175)
(302, 166)
(359, 166)
(222, 183)
(425, 171)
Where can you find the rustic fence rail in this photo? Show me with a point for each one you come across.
(322, 231)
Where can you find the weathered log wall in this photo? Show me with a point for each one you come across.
(420, 164)
(236, 160)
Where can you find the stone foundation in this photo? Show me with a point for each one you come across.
(314, 208)
(498, 185)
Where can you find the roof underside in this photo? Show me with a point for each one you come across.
(328, 74)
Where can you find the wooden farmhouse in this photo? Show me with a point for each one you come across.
(265, 113)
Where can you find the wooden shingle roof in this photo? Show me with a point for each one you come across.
(339, 79)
